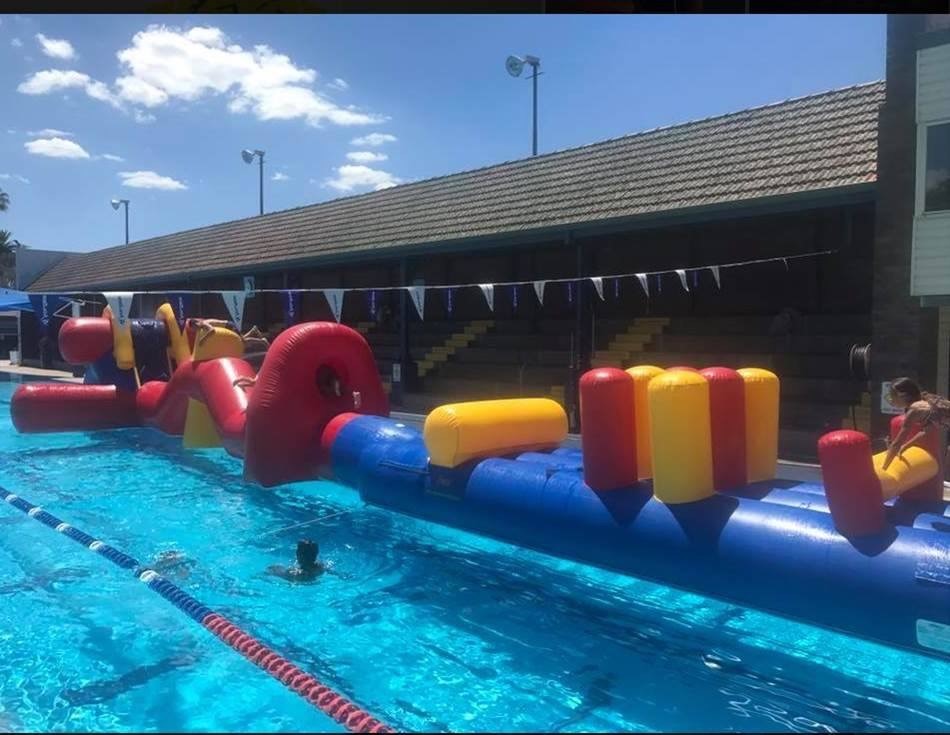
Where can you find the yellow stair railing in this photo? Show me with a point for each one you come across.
(457, 341)
(623, 348)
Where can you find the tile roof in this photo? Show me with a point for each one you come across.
(822, 141)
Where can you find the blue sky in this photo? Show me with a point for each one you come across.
(176, 99)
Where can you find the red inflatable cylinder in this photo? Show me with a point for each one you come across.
(42, 407)
(608, 429)
(932, 490)
(727, 418)
(851, 485)
(84, 339)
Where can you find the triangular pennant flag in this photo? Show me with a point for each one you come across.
(642, 277)
(489, 290)
(373, 307)
(44, 307)
(234, 300)
(335, 300)
(514, 296)
(570, 292)
(682, 274)
(659, 283)
(715, 272)
(785, 260)
(539, 291)
(449, 301)
(616, 288)
(695, 279)
(180, 303)
(120, 302)
(598, 282)
(291, 302)
(418, 296)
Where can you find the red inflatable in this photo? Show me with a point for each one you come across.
(46, 407)
(608, 423)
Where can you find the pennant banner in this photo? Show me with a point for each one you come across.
(489, 290)
(644, 283)
(44, 307)
(335, 300)
(120, 302)
(514, 297)
(249, 285)
(450, 300)
(234, 301)
(570, 292)
(598, 282)
(418, 296)
(616, 288)
(695, 279)
(682, 274)
(180, 303)
(715, 272)
(539, 291)
(291, 303)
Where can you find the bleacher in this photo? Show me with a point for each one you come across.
(512, 358)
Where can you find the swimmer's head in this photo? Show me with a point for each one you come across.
(307, 552)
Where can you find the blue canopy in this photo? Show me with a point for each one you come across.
(14, 300)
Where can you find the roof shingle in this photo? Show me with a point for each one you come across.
(822, 141)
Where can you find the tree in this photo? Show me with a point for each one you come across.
(4, 201)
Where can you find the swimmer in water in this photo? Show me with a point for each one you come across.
(172, 563)
(308, 567)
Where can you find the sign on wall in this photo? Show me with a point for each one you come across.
(885, 406)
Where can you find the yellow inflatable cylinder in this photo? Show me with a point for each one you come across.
(217, 342)
(681, 435)
(177, 343)
(642, 375)
(914, 466)
(459, 432)
(761, 423)
(122, 349)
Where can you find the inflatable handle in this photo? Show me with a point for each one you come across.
(122, 348)
(851, 484)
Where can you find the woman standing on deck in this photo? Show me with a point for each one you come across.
(921, 410)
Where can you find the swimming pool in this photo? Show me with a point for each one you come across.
(426, 627)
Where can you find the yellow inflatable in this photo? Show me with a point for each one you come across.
(914, 466)
(178, 351)
(210, 343)
(122, 348)
(642, 375)
(458, 432)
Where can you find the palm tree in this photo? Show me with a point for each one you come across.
(4, 201)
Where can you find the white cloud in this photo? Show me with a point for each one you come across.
(165, 64)
(339, 84)
(16, 43)
(56, 47)
(366, 156)
(112, 157)
(350, 177)
(150, 180)
(143, 117)
(56, 148)
(278, 176)
(54, 80)
(21, 179)
(374, 140)
(50, 133)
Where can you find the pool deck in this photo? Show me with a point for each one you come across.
(62, 375)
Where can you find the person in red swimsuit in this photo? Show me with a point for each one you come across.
(921, 410)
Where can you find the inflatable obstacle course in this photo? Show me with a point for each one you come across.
(675, 480)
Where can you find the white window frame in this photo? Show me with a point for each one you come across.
(921, 174)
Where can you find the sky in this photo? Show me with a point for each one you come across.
(156, 109)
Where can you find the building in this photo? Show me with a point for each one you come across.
(786, 179)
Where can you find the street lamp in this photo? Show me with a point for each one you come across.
(248, 157)
(115, 206)
(515, 65)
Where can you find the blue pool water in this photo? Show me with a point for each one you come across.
(428, 628)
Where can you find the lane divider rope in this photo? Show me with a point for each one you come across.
(308, 687)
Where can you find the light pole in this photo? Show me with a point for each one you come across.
(515, 65)
(115, 206)
(248, 157)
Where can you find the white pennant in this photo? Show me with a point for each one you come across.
(539, 291)
(598, 282)
(644, 283)
(120, 302)
(715, 272)
(334, 298)
(489, 290)
(682, 274)
(418, 296)
(234, 300)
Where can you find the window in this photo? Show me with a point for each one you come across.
(937, 172)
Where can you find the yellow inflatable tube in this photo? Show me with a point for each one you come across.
(122, 348)
(459, 432)
(177, 344)
(913, 467)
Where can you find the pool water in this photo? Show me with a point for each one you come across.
(428, 628)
